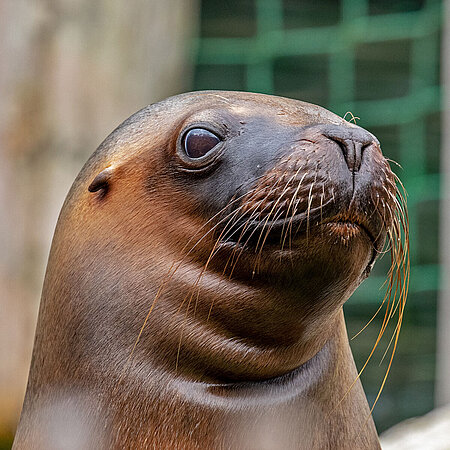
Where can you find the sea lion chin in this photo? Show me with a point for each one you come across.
(197, 275)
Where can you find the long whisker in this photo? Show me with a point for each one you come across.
(276, 214)
(397, 283)
(292, 198)
(291, 205)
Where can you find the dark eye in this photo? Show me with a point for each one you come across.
(198, 142)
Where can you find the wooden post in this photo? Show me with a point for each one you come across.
(70, 72)
(442, 396)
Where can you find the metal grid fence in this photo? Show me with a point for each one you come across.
(379, 60)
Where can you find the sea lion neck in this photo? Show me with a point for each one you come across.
(226, 331)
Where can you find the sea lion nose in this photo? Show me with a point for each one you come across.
(352, 142)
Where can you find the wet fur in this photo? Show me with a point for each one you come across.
(170, 315)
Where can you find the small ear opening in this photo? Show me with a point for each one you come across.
(102, 180)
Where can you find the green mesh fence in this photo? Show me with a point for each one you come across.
(379, 60)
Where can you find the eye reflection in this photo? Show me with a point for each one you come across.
(198, 142)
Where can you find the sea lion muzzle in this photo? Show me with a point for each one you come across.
(331, 175)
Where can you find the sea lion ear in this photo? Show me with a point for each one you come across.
(102, 180)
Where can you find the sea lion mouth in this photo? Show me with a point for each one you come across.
(282, 232)
(346, 224)
(347, 229)
(287, 236)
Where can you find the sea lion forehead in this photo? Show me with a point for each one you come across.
(169, 113)
(249, 105)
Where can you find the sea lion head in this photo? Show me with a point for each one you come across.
(221, 230)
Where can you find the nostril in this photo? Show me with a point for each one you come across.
(352, 147)
(352, 141)
(352, 151)
(344, 148)
(364, 146)
(342, 145)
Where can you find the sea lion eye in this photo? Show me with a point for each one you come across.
(198, 142)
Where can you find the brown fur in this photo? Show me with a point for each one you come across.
(146, 339)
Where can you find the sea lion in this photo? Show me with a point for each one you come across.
(194, 290)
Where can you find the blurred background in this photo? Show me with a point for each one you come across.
(71, 71)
